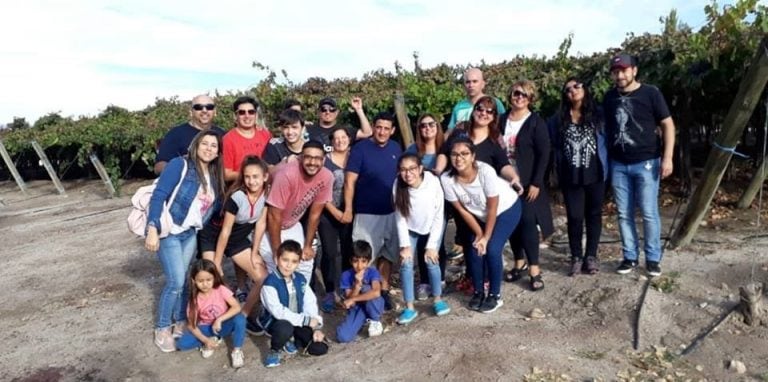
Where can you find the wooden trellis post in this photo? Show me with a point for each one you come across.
(47, 164)
(12, 168)
(103, 174)
(402, 119)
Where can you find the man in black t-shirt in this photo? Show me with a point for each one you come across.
(635, 114)
(327, 119)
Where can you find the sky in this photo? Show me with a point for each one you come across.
(78, 57)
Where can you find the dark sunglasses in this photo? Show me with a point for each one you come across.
(327, 109)
(518, 93)
(244, 112)
(424, 125)
(207, 106)
(486, 110)
(575, 86)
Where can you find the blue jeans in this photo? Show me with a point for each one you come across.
(419, 248)
(175, 254)
(491, 264)
(235, 327)
(637, 185)
(356, 316)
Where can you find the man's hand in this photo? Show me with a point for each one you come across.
(666, 168)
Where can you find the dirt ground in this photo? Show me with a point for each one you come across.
(80, 295)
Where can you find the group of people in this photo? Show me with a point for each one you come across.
(263, 201)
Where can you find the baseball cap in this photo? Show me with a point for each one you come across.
(327, 101)
(622, 61)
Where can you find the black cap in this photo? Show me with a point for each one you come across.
(327, 101)
(623, 61)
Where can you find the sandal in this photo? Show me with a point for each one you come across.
(516, 274)
(537, 283)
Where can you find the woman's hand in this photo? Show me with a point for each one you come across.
(533, 193)
(431, 256)
(346, 217)
(405, 254)
(152, 242)
(480, 244)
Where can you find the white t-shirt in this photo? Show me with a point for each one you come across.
(510, 137)
(198, 208)
(474, 196)
(426, 215)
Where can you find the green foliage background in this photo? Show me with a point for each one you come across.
(698, 72)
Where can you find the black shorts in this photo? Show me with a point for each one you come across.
(209, 236)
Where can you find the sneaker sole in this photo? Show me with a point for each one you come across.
(272, 365)
(499, 304)
(406, 322)
(164, 350)
(654, 274)
(442, 312)
(624, 271)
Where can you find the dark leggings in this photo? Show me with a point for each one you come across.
(336, 241)
(584, 203)
(525, 240)
(282, 331)
(422, 263)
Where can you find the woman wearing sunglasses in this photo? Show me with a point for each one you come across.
(526, 140)
(581, 162)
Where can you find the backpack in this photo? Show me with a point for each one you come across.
(137, 218)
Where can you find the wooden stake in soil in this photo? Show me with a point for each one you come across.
(402, 119)
(751, 306)
(102, 174)
(12, 168)
(47, 164)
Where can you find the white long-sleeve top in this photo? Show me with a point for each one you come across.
(426, 215)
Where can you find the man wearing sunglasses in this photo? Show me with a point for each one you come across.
(474, 84)
(637, 120)
(176, 141)
(328, 112)
(247, 138)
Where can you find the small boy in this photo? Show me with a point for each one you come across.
(287, 147)
(290, 308)
(362, 293)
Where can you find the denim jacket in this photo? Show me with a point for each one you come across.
(169, 178)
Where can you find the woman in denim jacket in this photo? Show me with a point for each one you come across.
(198, 197)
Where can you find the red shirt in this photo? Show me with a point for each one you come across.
(236, 146)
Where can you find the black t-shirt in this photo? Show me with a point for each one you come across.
(322, 134)
(632, 121)
(276, 150)
(580, 164)
(176, 141)
(486, 151)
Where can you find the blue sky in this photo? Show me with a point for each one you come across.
(78, 57)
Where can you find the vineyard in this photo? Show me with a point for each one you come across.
(698, 72)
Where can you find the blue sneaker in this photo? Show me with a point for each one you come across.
(253, 327)
(441, 308)
(329, 302)
(290, 348)
(407, 316)
(273, 359)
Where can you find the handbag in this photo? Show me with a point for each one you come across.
(137, 218)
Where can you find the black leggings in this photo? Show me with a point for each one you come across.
(525, 240)
(422, 263)
(282, 331)
(336, 241)
(584, 203)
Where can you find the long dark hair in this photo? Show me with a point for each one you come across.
(402, 197)
(439, 137)
(471, 146)
(198, 266)
(239, 183)
(589, 113)
(493, 128)
(215, 170)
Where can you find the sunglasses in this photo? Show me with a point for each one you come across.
(480, 108)
(518, 94)
(327, 109)
(424, 125)
(244, 112)
(207, 106)
(575, 86)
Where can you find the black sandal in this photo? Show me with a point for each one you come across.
(516, 274)
(537, 283)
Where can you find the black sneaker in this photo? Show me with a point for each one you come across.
(653, 268)
(253, 327)
(491, 303)
(476, 302)
(387, 299)
(626, 267)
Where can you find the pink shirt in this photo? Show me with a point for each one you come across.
(210, 307)
(236, 146)
(294, 193)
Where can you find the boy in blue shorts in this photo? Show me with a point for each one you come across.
(362, 295)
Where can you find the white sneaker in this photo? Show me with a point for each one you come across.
(207, 353)
(238, 359)
(375, 328)
(164, 340)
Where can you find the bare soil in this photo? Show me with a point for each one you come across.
(79, 301)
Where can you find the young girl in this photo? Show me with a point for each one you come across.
(200, 182)
(489, 207)
(213, 314)
(418, 200)
(245, 220)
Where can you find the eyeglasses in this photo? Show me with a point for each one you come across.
(244, 112)
(463, 154)
(207, 106)
(480, 108)
(411, 170)
(573, 87)
(424, 125)
(328, 109)
(518, 94)
(313, 157)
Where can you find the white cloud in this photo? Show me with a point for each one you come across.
(78, 57)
